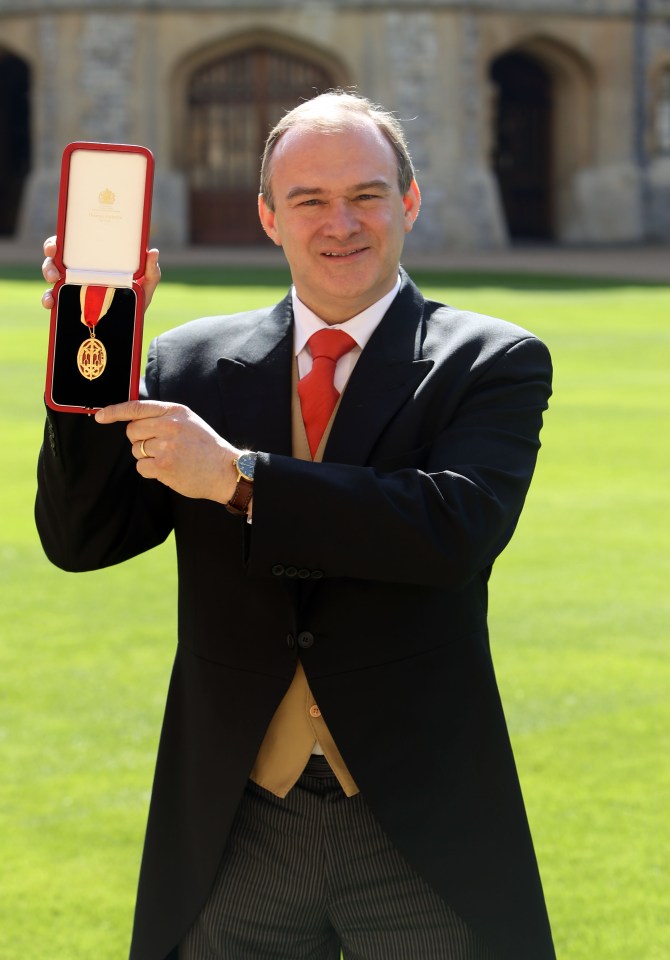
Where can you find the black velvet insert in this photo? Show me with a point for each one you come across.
(116, 331)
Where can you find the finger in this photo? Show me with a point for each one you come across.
(47, 299)
(140, 449)
(152, 276)
(133, 410)
(49, 269)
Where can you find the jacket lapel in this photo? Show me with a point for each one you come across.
(255, 384)
(255, 381)
(385, 376)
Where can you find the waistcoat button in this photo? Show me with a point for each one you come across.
(305, 640)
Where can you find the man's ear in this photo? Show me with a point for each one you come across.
(412, 204)
(268, 220)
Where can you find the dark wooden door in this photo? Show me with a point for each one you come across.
(233, 103)
(14, 138)
(522, 145)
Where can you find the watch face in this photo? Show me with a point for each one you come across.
(246, 464)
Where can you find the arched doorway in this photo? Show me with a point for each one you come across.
(232, 104)
(522, 145)
(14, 138)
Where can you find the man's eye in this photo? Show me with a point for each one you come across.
(313, 202)
(367, 196)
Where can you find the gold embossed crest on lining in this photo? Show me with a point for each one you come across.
(107, 196)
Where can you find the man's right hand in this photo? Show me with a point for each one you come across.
(152, 273)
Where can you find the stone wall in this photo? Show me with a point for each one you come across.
(119, 72)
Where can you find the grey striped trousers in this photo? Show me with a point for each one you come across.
(305, 877)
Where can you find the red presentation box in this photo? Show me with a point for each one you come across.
(95, 337)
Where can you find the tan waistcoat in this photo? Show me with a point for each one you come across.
(298, 724)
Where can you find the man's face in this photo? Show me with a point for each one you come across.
(339, 216)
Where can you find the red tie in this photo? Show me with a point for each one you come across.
(317, 392)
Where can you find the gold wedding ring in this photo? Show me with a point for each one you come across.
(142, 450)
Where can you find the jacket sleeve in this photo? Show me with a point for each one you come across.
(436, 515)
(93, 509)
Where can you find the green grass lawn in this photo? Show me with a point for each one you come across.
(580, 624)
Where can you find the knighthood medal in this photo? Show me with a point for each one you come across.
(92, 356)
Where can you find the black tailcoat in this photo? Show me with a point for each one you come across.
(382, 553)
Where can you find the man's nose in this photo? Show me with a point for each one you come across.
(343, 220)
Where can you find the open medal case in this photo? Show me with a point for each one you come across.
(95, 337)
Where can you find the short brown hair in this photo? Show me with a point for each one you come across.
(332, 112)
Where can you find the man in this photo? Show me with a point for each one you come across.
(334, 769)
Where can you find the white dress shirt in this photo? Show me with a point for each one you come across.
(360, 328)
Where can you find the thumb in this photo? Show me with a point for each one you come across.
(152, 275)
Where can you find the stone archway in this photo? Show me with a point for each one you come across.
(15, 151)
(558, 115)
(232, 102)
(522, 145)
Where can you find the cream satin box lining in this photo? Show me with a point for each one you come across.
(104, 220)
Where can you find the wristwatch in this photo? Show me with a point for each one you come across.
(245, 465)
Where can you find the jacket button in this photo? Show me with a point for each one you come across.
(305, 640)
(291, 571)
(303, 574)
(290, 641)
(278, 570)
(314, 711)
(316, 574)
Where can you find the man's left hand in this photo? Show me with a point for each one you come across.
(174, 445)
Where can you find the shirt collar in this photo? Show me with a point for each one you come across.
(360, 328)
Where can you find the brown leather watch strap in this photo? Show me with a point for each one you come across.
(240, 500)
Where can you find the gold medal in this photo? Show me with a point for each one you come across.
(92, 356)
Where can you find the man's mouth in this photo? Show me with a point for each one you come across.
(343, 253)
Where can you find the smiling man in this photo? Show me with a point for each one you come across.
(341, 223)
(334, 771)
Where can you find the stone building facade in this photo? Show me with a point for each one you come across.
(540, 120)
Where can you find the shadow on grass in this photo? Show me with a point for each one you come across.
(251, 276)
(511, 280)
